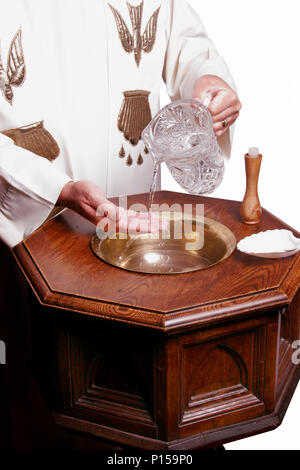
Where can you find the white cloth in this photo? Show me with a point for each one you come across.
(76, 73)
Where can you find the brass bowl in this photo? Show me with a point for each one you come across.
(204, 243)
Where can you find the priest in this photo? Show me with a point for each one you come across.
(79, 81)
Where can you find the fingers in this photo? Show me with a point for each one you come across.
(88, 213)
(87, 199)
(221, 127)
(225, 109)
(227, 113)
(141, 223)
(224, 100)
(111, 218)
(224, 105)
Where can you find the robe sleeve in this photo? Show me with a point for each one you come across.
(191, 54)
(29, 188)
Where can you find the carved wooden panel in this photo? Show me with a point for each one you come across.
(224, 373)
(289, 332)
(110, 377)
(221, 375)
(200, 356)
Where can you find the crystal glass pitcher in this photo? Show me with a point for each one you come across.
(182, 136)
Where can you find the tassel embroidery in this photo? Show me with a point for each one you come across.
(140, 160)
(129, 160)
(134, 116)
(36, 139)
(122, 152)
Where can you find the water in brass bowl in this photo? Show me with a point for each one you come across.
(197, 244)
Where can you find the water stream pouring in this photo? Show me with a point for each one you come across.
(182, 136)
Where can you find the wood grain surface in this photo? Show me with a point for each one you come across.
(209, 358)
(63, 271)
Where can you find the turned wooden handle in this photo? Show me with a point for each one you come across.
(251, 209)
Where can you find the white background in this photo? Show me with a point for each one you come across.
(260, 41)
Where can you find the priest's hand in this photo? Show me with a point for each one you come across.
(87, 199)
(224, 106)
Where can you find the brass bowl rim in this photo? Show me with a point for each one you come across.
(225, 234)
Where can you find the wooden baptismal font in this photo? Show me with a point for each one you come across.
(183, 361)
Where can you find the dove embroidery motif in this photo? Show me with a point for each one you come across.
(136, 42)
(14, 75)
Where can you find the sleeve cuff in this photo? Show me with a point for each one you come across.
(29, 188)
(32, 175)
(20, 215)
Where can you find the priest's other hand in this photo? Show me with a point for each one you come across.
(224, 106)
(87, 199)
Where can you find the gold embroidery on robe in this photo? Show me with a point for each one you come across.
(136, 42)
(36, 139)
(129, 160)
(14, 75)
(134, 116)
(140, 160)
(122, 152)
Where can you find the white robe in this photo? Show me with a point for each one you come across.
(76, 72)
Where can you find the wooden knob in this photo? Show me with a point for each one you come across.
(251, 209)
